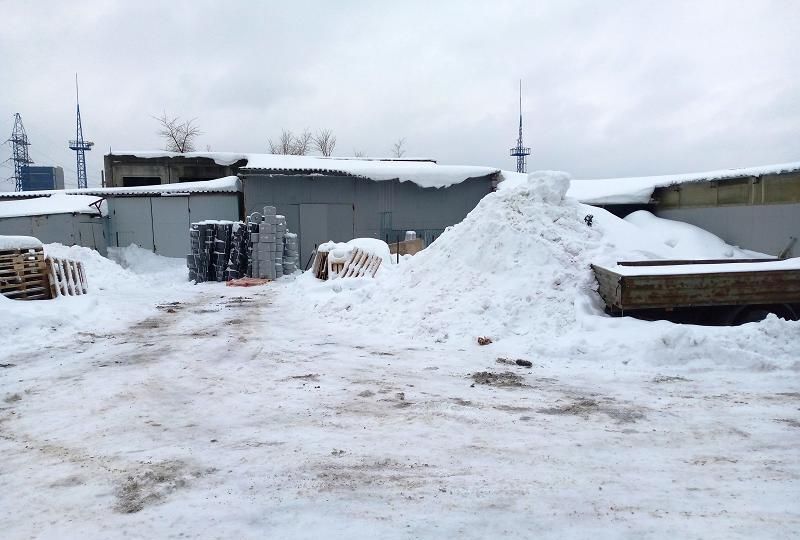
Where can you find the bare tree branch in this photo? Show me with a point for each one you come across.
(325, 142)
(398, 149)
(302, 143)
(178, 136)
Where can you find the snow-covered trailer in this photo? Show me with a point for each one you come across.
(718, 292)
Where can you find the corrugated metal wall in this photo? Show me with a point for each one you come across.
(161, 224)
(322, 208)
(68, 229)
(767, 228)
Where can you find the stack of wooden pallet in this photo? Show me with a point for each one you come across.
(23, 274)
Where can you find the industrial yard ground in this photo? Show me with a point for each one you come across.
(154, 408)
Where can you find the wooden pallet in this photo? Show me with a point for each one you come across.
(358, 263)
(23, 274)
(67, 277)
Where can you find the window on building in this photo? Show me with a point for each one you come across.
(134, 181)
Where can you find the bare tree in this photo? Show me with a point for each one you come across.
(291, 144)
(178, 136)
(358, 153)
(284, 145)
(398, 149)
(325, 142)
(302, 143)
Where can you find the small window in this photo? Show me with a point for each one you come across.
(134, 181)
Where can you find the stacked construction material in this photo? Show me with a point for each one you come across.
(225, 250)
(266, 257)
(219, 251)
(290, 253)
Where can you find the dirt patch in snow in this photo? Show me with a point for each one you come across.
(585, 407)
(504, 379)
(314, 377)
(789, 422)
(659, 379)
(153, 483)
(380, 473)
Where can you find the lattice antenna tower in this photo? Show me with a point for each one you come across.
(520, 151)
(79, 145)
(19, 153)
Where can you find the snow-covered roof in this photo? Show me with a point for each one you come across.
(229, 184)
(639, 190)
(220, 158)
(56, 203)
(425, 173)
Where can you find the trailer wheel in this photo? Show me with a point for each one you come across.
(748, 314)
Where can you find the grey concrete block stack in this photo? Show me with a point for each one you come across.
(290, 253)
(267, 242)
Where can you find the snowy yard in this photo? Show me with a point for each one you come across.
(153, 408)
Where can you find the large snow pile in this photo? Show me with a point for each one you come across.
(518, 266)
(512, 266)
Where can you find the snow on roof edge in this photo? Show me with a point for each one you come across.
(425, 173)
(639, 190)
(58, 203)
(227, 184)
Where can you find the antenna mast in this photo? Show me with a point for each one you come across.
(79, 145)
(520, 151)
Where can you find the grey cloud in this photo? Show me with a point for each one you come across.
(622, 88)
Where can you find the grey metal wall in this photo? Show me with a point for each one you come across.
(766, 228)
(340, 208)
(68, 229)
(161, 224)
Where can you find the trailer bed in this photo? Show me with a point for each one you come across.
(641, 285)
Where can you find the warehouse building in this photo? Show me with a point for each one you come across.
(131, 169)
(55, 217)
(157, 218)
(756, 208)
(330, 198)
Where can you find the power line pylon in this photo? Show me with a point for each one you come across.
(19, 153)
(79, 145)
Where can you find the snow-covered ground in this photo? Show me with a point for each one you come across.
(364, 408)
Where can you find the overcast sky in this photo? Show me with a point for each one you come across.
(610, 88)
